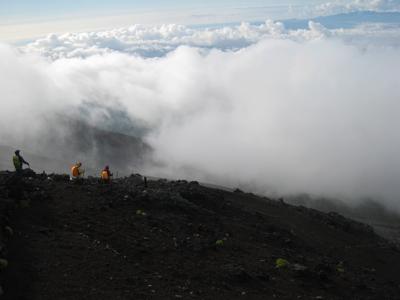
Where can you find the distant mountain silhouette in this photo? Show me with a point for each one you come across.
(79, 141)
(348, 20)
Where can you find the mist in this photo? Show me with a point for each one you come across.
(279, 116)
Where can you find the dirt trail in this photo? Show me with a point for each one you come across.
(179, 240)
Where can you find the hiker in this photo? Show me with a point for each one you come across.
(106, 175)
(19, 161)
(76, 171)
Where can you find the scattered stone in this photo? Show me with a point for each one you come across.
(140, 212)
(299, 268)
(219, 243)
(8, 231)
(187, 223)
(340, 267)
(281, 263)
(3, 263)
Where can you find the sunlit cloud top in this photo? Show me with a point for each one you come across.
(30, 19)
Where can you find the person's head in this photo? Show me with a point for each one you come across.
(107, 168)
(78, 164)
(17, 152)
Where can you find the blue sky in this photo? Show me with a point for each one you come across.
(27, 19)
(52, 8)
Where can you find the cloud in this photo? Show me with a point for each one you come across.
(340, 6)
(287, 117)
(157, 41)
(284, 111)
(151, 41)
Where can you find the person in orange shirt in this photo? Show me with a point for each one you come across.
(77, 172)
(106, 175)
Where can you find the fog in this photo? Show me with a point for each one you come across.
(318, 116)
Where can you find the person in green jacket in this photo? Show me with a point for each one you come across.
(19, 161)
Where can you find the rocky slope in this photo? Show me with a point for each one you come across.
(180, 240)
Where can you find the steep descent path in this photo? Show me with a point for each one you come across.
(179, 240)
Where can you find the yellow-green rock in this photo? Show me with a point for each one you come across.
(281, 263)
(219, 243)
(3, 263)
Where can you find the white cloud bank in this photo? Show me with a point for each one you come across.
(150, 41)
(310, 115)
(156, 41)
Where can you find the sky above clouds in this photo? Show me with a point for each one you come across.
(43, 9)
(25, 19)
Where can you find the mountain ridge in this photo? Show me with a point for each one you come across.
(165, 239)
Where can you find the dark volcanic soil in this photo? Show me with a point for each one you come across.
(179, 240)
